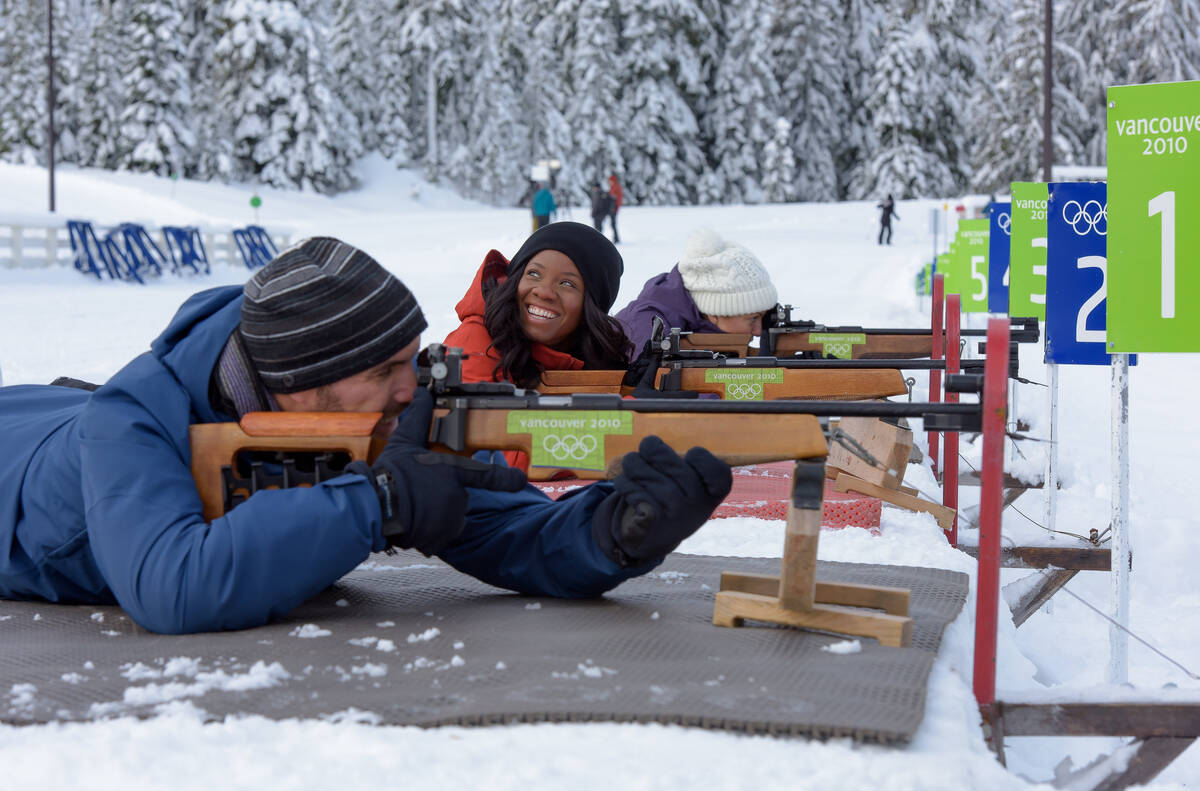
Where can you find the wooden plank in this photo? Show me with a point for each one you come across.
(733, 607)
(1077, 558)
(1151, 757)
(1051, 582)
(971, 478)
(1140, 720)
(849, 483)
(877, 597)
(888, 443)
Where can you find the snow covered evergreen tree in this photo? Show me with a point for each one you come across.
(779, 164)
(862, 22)
(435, 34)
(392, 92)
(155, 129)
(741, 114)
(275, 82)
(905, 161)
(661, 79)
(574, 81)
(355, 46)
(23, 91)
(94, 91)
(489, 162)
(811, 67)
(1008, 117)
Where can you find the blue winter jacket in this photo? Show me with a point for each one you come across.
(98, 505)
(543, 203)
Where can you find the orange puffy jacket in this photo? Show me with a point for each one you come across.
(473, 338)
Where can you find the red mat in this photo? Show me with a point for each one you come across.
(762, 491)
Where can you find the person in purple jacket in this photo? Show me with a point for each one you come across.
(717, 286)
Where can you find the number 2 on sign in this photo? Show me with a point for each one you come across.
(1082, 333)
(1164, 204)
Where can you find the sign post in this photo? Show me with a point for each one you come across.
(1153, 165)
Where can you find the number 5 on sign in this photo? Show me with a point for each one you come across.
(1153, 198)
(973, 240)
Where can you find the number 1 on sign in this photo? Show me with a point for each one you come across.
(1164, 204)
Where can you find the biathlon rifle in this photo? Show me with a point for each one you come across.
(585, 433)
(784, 335)
(682, 366)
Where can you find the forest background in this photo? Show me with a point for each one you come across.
(688, 101)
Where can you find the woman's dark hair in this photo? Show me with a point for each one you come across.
(599, 340)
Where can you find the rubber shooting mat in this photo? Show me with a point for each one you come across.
(407, 640)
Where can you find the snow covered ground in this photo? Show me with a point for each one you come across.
(824, 259)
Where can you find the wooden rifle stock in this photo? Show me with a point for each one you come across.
(735, 438)
(217, 445)
(878, 346)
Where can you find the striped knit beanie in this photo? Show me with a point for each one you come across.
(321, 311)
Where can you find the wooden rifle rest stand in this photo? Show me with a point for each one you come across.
(796, 598)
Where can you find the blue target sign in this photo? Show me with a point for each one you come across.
(1000, 215)
(1077, 274)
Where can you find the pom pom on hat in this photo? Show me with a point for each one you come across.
(723, 278)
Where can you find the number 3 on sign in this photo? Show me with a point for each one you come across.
(1164, 204)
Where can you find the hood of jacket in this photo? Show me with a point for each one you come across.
(192, 343)
(665, 296)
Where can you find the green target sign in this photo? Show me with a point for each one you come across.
(972, 263)
(1153, 203)
(1027, 251)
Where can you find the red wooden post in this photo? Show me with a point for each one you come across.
(987, 591)
(935, 377)
(950, 462)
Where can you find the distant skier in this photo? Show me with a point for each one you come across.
(618, 197)
(602, 203)
(543, 207)
(887, 210)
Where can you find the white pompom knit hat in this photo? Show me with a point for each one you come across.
(725, 279)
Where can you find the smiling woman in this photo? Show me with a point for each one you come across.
(545, 310)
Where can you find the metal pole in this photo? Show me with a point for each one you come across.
(950, 439)
(1047, 81)
(987, 591)
(50, 95)
(935, 377)
(1050, 483)
(1122, 546)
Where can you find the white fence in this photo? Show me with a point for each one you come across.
(34, 245)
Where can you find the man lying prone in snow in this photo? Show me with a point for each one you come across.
(98, 504)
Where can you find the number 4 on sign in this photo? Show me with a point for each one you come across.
(1164, 204)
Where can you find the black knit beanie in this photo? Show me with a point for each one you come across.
(597, 259)
(324, 310)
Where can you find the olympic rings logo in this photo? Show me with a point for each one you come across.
(1005, 223)
(569, 446)
(1090, 215)
(841, 350)
(743, 391)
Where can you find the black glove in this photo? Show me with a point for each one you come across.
(661, 498)
(814, 354)
(421, 493)
(644, 369)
